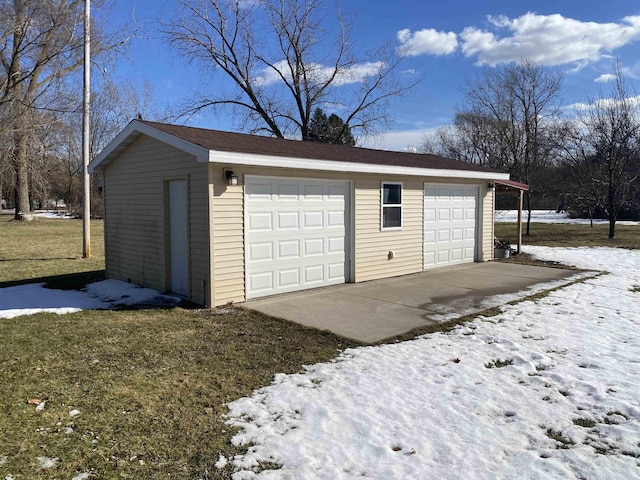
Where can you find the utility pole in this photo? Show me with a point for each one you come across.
(86, 102)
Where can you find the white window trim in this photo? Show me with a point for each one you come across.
(383, 205)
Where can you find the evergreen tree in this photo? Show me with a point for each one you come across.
(329, 130)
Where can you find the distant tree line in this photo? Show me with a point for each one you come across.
(285, 67)
(586, 161)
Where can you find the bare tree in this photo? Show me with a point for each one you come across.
(509, 122)
(40, 46)
(113, 106)
(604, 154)
(284, 62)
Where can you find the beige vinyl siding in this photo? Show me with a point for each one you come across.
(228, 238)
(372, 245)
(134, 186)
(488, 206)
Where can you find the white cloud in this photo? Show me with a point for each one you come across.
(548, 39)
(426, 41)
(606, 77)
(634, 102)
(321, 73)
(399, 140)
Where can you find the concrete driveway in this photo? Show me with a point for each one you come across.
(379, 309)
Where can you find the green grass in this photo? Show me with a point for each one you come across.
(151, 385)
(571, 235)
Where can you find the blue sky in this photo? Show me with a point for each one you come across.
(446, 42)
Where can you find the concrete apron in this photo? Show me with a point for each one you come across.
(379, 309)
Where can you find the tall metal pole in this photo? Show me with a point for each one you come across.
(86, 101)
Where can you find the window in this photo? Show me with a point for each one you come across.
(391, 206)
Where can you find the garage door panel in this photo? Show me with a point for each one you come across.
(313, 246)
(335, 219)
(457, 214)
(335, 192)
(335, 245)
(261, 251)
(288, 249)
(260, 221)
(260, 282)
(313, 219)
(258, 191)
(469, 233)
(450, 218)
(304, 222)
(312, 193)
(287, 220)
(287, 191)
(314, 274)
(289, 278)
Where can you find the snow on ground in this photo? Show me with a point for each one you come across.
(547, 389)
(550, 216)
(35, 298)
(56, 214)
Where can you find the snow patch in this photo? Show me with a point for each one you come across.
(222, 462)
(550, 216)
(82, 476)
(546, 389)
(107, 294)
(46, 462)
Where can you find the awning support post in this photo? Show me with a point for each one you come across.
(520, 197)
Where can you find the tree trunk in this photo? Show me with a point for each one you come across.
(612, 227)
(21, 164)
(19, 114)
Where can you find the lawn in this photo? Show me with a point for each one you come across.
(150, 385)
(571, 235)
(142, 393)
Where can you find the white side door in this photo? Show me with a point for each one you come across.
(178, 237)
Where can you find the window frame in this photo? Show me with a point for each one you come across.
(384, 205)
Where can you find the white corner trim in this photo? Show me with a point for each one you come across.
(122, 141)
(254, 160)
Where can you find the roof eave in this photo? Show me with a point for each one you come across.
(131, 132)
(250, 159)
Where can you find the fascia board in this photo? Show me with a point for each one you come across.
(236, 158)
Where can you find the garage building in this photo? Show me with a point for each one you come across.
(220, 217)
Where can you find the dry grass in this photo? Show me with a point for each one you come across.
(44, 248)
(151, 385)
(572, 235)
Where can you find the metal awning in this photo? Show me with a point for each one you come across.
(509, 186)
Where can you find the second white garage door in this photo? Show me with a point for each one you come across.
(450, 224)
(295, 234)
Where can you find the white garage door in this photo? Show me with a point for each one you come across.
(295, 234)
(450, 224)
